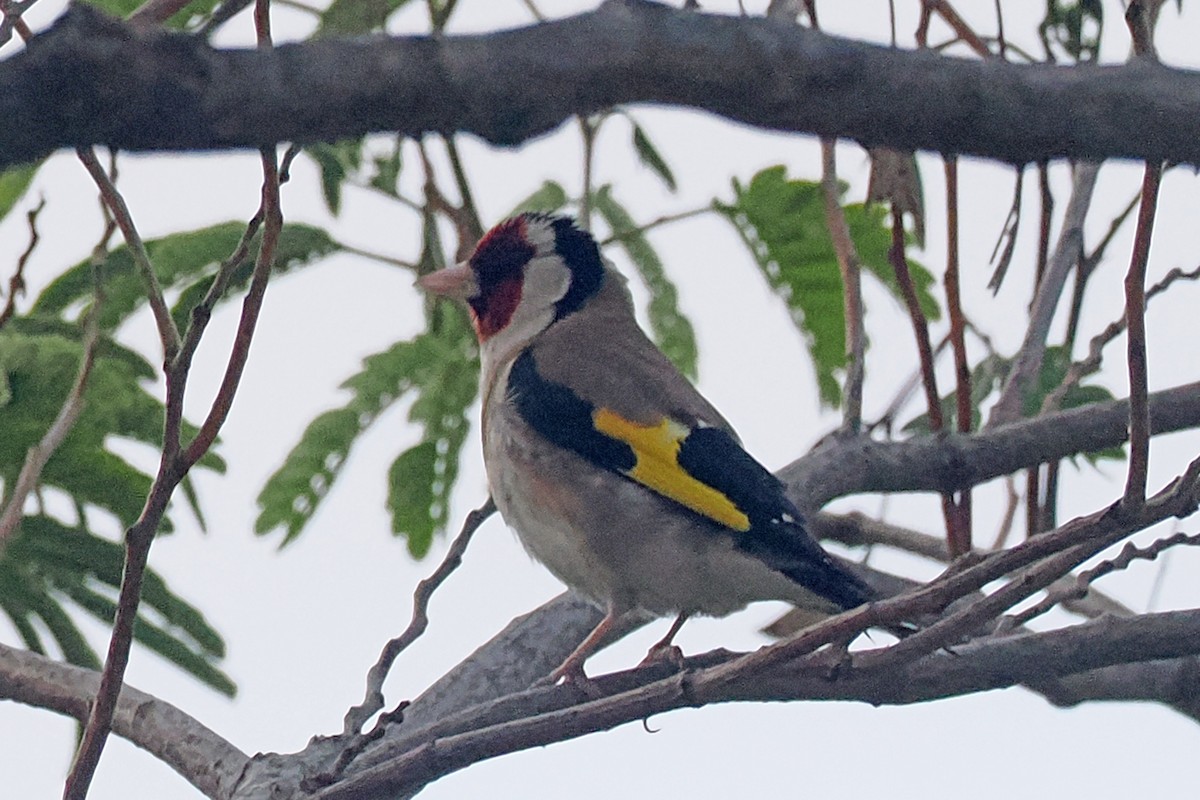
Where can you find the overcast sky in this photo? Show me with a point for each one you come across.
(304, 625)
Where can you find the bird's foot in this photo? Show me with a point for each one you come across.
(838, 661)
(570, 673)
(663, 653)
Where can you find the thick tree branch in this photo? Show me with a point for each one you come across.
(92, 80)
(203, 758)
(952, 462)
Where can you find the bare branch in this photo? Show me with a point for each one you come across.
(357, 716)
(960, 504)
(951, 462)
(851, 267)
(12, 11)
(1079, 586)
(251, 306)
(665, 219)
(36, 458)
(1135, 320)
(1091, 362)
(16, 284)
(167, 333)
(207, 761)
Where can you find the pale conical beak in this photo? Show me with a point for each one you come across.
(457, 282)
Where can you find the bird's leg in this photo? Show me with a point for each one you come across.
(571, 670)
(663, 650)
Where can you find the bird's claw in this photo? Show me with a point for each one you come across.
(663, 654)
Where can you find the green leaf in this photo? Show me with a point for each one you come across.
(29, 635)
(1073, 29)
(39, 365)
(70, 640)
(352, 17)
(411, 494)
(187, 259)
(336, 162)
(387, 170)
(671, 329)
(14, 181)
(420, 479)
(194, 11)
(298, 246)
(157, 640)
(550, 196)
(48, 565)
(782, 223)
(648, 154)
(986, 378)
(440, 368)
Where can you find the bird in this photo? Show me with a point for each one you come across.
(610, 466)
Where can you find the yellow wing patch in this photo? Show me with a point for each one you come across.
(656, 448)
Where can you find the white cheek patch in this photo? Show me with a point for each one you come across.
(546, 281)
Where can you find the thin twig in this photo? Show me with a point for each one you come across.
(465, 226)
(851, 268)
(1140, 18)
(928, 377)
(168, 334)
(1079, 587)
(1006, 242)
(16, 284)
(36, 458)
(533, 9)
(12, 11)
(1012, 501)
(474, 224)
(373, 701)
(917, 317)
(587, 130)
(1135, 315)
(1002, 44)
(251, 306)
(851, 271)
(960, 27)
(960, 532)
(1045, 222)
(380, 257)
(439, 17)
(1090, 364)
(201, 313)
(1087, 267)
(665, 219)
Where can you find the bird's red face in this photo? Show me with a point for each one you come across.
(499, 266)
(525, 273)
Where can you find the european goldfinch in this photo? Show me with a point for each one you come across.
(610, 466)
